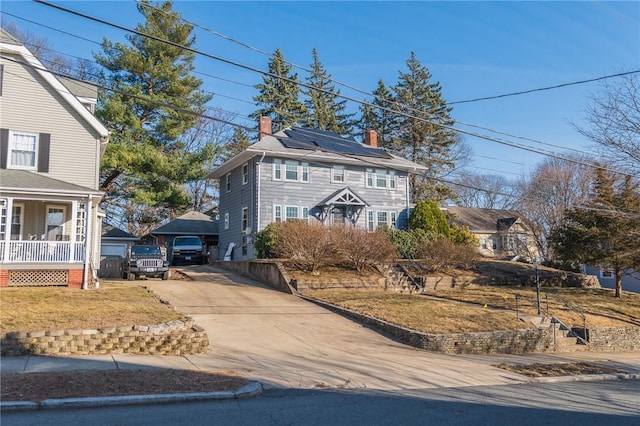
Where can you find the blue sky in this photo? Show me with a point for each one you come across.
(474, 49)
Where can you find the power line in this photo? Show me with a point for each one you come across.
(541, 89)
(234, 63)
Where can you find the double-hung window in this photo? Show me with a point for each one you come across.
(226, 220)
(277, 213)
(245, 219)
(291, 212)
(245, 173)
(277, 169)
(290, 170)
(337, 174)
(23, 150)
(228, 182)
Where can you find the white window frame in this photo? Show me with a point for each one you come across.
(606, 273)
(226, 220)
(369, 178)
(21, 223)
(277, 213)
(304, 172)
(337, 174)
(393, 217)
(305, 213)
(12, 140)
(384, 222)
(484, 243)
(277, 169)
(286, 213)
(228, 182)
(245, 173)
(371, 224)
(291, 166)
(244, 217)
(64, 217)
(375, 177)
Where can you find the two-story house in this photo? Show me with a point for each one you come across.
(312, 175)
(50, 150)
(500, 233)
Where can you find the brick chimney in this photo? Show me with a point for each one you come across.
(371, 138)
(264, 127)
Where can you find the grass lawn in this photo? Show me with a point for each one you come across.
(446, 316)
(43, 308)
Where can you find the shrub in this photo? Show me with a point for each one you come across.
(441, 254)
(463, 235)
(408, 243)
(426, 215)
(266, 241)
(359, 249)
(307, 246)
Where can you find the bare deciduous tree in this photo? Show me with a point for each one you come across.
(548, 192)
(613, 119)
(484, 191)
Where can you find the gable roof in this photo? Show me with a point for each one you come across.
(483, 220)
(117, 234)
(9, 44)
(317, 146)
(343, 197)
(190, 223)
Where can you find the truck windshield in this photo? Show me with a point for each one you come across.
(145, 250)
(187, 241)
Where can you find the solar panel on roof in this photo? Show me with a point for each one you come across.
(328, 141)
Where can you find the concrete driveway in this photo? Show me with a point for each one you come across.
(284, 341)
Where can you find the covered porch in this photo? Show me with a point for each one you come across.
(47, 236)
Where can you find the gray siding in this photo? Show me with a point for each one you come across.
(231, 203)
(30, 105)
(272, 192)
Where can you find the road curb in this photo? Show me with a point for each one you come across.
(251, 389)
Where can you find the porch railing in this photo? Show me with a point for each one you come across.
(41, 251)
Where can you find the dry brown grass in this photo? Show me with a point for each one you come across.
(598, 305)
(113, 304)
(559, 369)
(419, 313)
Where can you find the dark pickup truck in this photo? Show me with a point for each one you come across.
(145, 260)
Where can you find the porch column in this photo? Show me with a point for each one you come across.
(87, 242)
(72, 233)
(8, 212)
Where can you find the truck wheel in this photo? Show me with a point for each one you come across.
(131, 277)
(165, 276)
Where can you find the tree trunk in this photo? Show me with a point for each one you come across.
(618, 282)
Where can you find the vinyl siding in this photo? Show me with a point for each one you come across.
(30, 105)
(320, 187)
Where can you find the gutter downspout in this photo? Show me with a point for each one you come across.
(87, 240)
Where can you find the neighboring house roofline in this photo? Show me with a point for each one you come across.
(55, 83)
(270, 146)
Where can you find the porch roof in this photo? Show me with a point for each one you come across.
(26, 182)
(343, 197)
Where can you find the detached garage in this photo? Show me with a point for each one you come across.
(113, 248)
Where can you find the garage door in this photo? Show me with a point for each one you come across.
(113, 250)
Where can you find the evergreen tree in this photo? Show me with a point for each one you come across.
(154, 101)
(606, 231)
(428, 217)
(375, 116)
(421, 136)
(279, 96)
(325, 110)
(239, 142)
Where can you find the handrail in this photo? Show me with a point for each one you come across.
(532, 301)
(405, 271)
(584, 341)
(575, 309)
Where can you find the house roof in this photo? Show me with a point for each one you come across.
(9, 44)
(317, 146)
(112, 233)
(24, 181)
(487, 220)
(190, 223)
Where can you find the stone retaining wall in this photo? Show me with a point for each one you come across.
(614, 339)
(179, 337)
(266, 271)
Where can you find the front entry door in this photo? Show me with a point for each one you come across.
(339, 215)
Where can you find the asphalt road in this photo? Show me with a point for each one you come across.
(574, 403)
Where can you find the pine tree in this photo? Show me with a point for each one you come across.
(325, 110)
(154, 101)
(421, 136)
(606, 231)
(279, 95)
(376, 116)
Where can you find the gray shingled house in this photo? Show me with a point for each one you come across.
(313, 175)
(50, 150)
